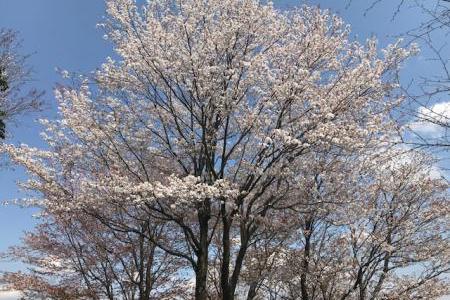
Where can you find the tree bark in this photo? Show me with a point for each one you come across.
(225, 268)
(252, 291)
(305, 262)
(201, 274)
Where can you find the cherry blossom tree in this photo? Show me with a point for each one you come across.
(77, 257)
(388, 240)
(205, 122)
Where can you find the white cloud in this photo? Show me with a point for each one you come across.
(431, 121)
(9, 295)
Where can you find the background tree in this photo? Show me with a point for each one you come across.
(14, 77)
(383, 240)
(16, 97)
(3, 88)
(77, 257)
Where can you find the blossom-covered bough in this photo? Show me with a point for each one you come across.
(210, 123)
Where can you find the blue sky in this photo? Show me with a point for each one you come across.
(64, 34)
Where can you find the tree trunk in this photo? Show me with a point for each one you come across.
(225, 268)
(252, 291)
(201, 291)
(201, 274)
(245, 235)
(305, 262)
